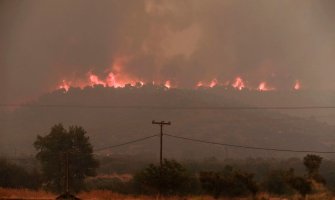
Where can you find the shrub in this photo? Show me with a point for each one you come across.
(276, 183)
(14, 176)
(302, 185)
(312, 164)
(169, 179)
(229, 182)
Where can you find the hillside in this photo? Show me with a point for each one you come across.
(112, 116)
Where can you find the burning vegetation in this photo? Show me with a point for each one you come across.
(120, 81)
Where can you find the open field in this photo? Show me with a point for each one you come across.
(23, 194)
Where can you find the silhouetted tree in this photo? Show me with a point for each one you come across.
(169, 179)
(52, 150)
(312, 164)
(212, 183)
(228, 182)
(302, 185)
(14, 176)
(276, 183)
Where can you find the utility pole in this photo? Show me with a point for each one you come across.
(67, 194)
(162, 123)
(67, 172)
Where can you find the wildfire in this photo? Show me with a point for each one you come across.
(113, 80)
(239, 83)
(94, 80)
(64, 85)
(200, 84)
(167, 84)
(297, 85)
(213, 83)
(264, 87)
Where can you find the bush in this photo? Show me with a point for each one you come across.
(302, 185)
(312, 164)
(170, 179)
(276, 183)
(14, 176)
(229, 182)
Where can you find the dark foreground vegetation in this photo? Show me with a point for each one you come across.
(230, 178)
(65, 157)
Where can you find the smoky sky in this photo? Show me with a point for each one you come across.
(279, 41)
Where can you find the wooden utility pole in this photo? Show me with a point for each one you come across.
(162, 123)
(67, 194)
(67, 172)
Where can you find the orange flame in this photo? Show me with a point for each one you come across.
(167, 84)
(239, 83)
(200, 84)
(94, 80)
(118, 79)
(264, 87)
(64, 85)
(297, 85)
(213, 83)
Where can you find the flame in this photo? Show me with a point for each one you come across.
(94, 80)
(264, 87)
(297, 85)
(115, 77)
(167, 84)
(213, 83)
(200, 84)
(111, 82)
(119, 81)
(64, 85)
(239, 83)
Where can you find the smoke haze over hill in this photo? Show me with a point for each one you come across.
(184, 41)
(117, 115)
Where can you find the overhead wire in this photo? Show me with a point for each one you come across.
(126, 143)
(201, 141)
(248, 147)
(310, 107)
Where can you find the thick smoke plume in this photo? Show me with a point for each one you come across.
(184, 41)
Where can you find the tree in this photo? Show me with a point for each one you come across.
(300, 184)
(312, 164)
(228, 182)
(15, 176)
(169, 179)
(276, 183)
(60, 145)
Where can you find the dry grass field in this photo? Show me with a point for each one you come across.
(25, 194)
(108, 195)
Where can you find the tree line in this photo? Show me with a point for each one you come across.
(67, 155)
(172, 178)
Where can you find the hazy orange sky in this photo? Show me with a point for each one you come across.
(279, 41)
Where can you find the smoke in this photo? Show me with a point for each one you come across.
(185, 41)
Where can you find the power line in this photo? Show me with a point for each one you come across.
(19, 158)
(126, 143)
(201, 141)
(169, 107)
(249, 147)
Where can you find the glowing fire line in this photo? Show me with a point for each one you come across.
(118, 81)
